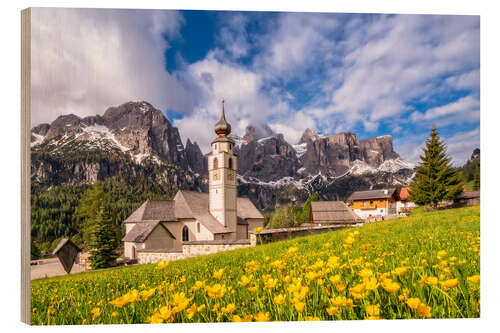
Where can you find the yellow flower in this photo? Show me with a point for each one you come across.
(413, 303)
(253, 288)
(114, 314)
(389, 285)
(365, 273)
(299, 306)
(292, 250)
(451, 283)
(216, 291)
(399, 271)
(191, 311)
(358, 291)
(441, 254)
(230, 308)
(201, 308)
(96, 312)
(180, 301)
(197, 285)
(261, 316)
(423, 279)
(340, 287)
(473, 278)
(424, 310)
(270, 283)
(238, 319)
(371, 283)
(244, 280)
(162, 264)
(333, 262)
(309, 318)
(147, 293)
(334, 279)
(327, 245)
(432, 280)
(372, 310)
(279, 299)
(130, 297)
(257, 230)
(218, 274)
(341, 301)
(332, 310)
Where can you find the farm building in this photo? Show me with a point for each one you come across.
(332, 213)
(467, 198)
(195, 223)
(374, 203)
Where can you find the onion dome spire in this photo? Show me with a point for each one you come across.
(222, 127)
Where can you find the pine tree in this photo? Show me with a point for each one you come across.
(303, 216)
(477, 178)
(435, 178)
(103, 241)
(89, 207)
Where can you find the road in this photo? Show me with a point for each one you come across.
(51, 267)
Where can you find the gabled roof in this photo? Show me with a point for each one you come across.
(246, 209)
(373, 194)
(191, 204)
(62, 243)
(154, 210)
(141, 231)
(332, 211)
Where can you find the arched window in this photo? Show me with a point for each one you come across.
(230, 163)
(185, 234)
(198, 226)
(216, 163)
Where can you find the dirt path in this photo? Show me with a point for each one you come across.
(51, 267)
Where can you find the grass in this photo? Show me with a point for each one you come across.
(423, 266)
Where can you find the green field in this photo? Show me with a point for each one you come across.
(423, 266)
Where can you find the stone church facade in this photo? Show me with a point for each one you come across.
(195, 223)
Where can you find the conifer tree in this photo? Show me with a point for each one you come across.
(103, 241)
(477, 178)
(303, 216)
(435, 178)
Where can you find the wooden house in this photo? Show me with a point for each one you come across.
(374, 203)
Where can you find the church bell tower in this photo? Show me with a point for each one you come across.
(222, 166)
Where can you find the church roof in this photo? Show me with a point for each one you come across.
(246, 209)
(141, 231)
(154, 210)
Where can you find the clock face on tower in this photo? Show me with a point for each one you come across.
(231, 175)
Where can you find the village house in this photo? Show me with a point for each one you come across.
(195, 223)
(332, 213)
(374, 203)
(403, 204)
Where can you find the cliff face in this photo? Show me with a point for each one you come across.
(134, 141)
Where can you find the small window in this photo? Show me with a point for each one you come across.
(198, 227)
(230, 163)
(216, 163)
(371, 202)
(185, 234)
(364, 203)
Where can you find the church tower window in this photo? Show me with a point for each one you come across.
(216, 163)
(230, 163)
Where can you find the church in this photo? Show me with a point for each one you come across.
(196, 223)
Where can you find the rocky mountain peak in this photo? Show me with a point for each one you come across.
(256, 132)
(309, 135)
(475, 154)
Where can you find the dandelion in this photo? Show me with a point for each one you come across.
(96, 312)
(399, 271)
(335, 279)
(292, 250)
(473, 279)
(216, 291)
(299, 306)
(230, 308)
(448, 284)
(238, 319)
(279, 299)
(332, 310)
(441, 254)
(197, 286)
(390, 286)
(162, 264)
(310, 318)
(424, 311)
(327, 245)
(114, 314)
(373, 311)
(432, 280)
(257, 230)
(340, 287)
(218, 274)
(261, 316)
(413, 303)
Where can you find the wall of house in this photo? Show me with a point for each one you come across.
(366, 213)
(127, 248)
(159, 239)
(369, 204)
(176, 229)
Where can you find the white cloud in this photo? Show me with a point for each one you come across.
(86, 60)
(468, 80)
(463, 105)
(461, 145)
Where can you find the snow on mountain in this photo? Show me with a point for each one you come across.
(300, 149)
(361, 167)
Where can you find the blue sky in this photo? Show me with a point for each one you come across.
(365, 73)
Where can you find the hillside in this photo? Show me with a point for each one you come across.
(426, 265)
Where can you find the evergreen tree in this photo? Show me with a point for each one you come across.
(435, 178)
(477, 178)
(89, 207)
(103, 241)
(303, 216)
